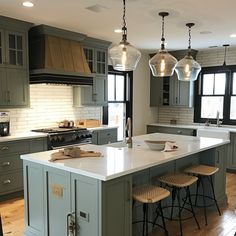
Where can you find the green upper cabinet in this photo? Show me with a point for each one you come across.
(96, 53)
(14, 70)
(169, 91)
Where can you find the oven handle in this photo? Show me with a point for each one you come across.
(72, 145)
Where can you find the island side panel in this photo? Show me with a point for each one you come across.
(117, 206)
(35, 218)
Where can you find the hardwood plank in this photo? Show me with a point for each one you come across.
(12, 212)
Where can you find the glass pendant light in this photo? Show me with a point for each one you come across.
(124, 56)
(187, 69)
(162, 64)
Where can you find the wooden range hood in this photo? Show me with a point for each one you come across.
(57, 59)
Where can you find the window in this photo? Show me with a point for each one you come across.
(119, 100)
(215, 91)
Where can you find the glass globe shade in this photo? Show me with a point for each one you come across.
(162, 64)
(187, 69)
(124, 56)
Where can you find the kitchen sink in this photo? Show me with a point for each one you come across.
(213, 132)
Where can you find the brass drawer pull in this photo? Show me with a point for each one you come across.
(5, 148)
(8, 181)
(179, 132)
(6, 163)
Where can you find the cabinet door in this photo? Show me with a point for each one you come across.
(2, 49)
(231, 161)
(100, 90)
(16, 49)
(83, 96)
(89, 54)
(3, 87)
(155, 91)
(38, 145)
(85, 204)
(18, 87)
(101, 61)
(58, 200)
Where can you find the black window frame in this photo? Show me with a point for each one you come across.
(128, 95)
(229, 70)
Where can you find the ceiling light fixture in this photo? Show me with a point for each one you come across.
(162, 64)
(225, 45)
(187, 69)
(27, 4)
(118, 31)
(124, 56)
(233, 36)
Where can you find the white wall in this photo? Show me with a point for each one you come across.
(143, 114)
(49, 104)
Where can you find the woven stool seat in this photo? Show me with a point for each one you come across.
(149, 193)
(178, 180)
(202, 170)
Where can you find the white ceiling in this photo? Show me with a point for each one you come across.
(143, 21)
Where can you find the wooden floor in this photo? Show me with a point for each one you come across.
(12, 213)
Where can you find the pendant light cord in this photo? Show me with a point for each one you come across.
(162, 33)
(189, 25)
(225, 45)
(124, 29)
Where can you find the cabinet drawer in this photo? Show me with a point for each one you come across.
(11, 182)
(12, 147)
(9, 163)
(107, 136)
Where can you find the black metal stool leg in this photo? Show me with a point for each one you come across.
(180, 220)
(196, 196)
(157, 214)
(214, 196)
(163, 220)
(146, 219)
(190, 202)
(204, 199)
(173, 201)
(144, 216)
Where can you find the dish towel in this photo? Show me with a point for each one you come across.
(73, 152)
(170, 147)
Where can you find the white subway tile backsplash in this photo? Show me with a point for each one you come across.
(49, 104)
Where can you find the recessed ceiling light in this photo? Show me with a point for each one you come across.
(27, 4)
(206, 32)
(233, 36)
(118, 30)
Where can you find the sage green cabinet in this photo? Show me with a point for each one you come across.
(96, 53)
(231, 160)
(14, 70)
(11, 177)
(90, 202)
(169, 91)
(170, 130)
(104, 136)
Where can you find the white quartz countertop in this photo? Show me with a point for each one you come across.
(230, 128)
(118, 161)
(19, 136)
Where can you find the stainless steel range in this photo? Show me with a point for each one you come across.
(63, 137)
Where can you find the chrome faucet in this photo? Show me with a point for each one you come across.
(218, 122)
(128, 128)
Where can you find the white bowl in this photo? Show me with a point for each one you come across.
(155, 145)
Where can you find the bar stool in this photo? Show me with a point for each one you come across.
(177, 182)
(148, 194)
(204, 171)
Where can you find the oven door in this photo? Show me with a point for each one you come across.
(58, 141)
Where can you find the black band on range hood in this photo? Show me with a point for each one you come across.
(43, 76)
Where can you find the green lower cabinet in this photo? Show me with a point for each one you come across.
(85, 205)
(231, 160)
(35, 210)
(104, 136)
(117, 207)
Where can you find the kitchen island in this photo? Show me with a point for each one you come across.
(94, 195)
